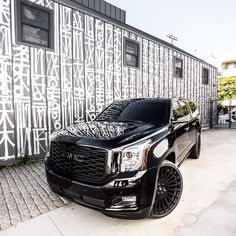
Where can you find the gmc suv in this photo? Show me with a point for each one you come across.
(125, 162)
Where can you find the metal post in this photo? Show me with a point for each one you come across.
(172, 38)
(230, 116)
(211, 115)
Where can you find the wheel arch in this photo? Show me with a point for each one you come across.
(171, 157)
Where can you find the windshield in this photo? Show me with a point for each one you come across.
(143, 110)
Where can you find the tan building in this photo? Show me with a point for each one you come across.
(228, 68)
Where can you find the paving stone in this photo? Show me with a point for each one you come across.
(25, 216)
(3, 212)
(52, 206)
(59, 203)
(38, 201)
(5, 222)
(9, 197)
(11, 205)
(43, 208)
(5, 225)
(3, 204)
(53, 196)
(35, 213)
(47, 200)
(24, 194)
(14, 212)
(22, 206)
(1, 198)
(32, 207)
(29, 200)
(19, 200)
(15, 216)
(15, 220)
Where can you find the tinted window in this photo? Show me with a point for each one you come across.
(35, 35)
(181, 111)
(192, 106)
(178, 67)
(131, 53)
(131, 60)
(184, 107)
(150, 111)
(34, 24)
(34, 16)
(131, 48)
(205, 76)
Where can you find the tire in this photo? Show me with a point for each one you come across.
(168, 190)
(195, 151)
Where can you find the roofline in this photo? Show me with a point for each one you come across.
(227, 77)
(124, 26)
(163, 42)
(227, 62)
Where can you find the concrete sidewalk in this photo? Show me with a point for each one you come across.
(218, 220)
(207, 207)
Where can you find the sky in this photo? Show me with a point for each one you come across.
(205, 28)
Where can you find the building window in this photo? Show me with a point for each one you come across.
(131, 53)
(34, 24)
(205, 76)
(178, 67)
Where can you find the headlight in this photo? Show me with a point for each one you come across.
(134, 157)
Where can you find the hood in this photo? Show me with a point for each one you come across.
(103, 133)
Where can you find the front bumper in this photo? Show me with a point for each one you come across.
(128, 195)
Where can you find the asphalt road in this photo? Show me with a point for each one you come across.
(207, 207)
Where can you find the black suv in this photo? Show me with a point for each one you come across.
(125, 162)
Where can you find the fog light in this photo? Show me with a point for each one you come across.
(124, 203)
(129, 199)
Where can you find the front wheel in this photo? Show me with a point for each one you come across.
(168, 191)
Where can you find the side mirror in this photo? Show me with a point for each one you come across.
(174, 119)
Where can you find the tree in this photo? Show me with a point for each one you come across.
(226, 88)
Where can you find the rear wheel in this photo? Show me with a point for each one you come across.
(195, 152)
(168, 191)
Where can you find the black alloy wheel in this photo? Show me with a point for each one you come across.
(168, 191)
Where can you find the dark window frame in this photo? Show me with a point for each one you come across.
(205, 79)
(20, 22)
(175, 68)
(138, 53)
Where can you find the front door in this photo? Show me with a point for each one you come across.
(181, 129)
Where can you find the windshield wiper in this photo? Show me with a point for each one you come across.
(124, 121)
(105, 120)
(131, 121)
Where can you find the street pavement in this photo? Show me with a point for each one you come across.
(207, 206)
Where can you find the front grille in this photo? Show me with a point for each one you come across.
(86, 164)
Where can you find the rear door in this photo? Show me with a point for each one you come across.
(193, 124)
